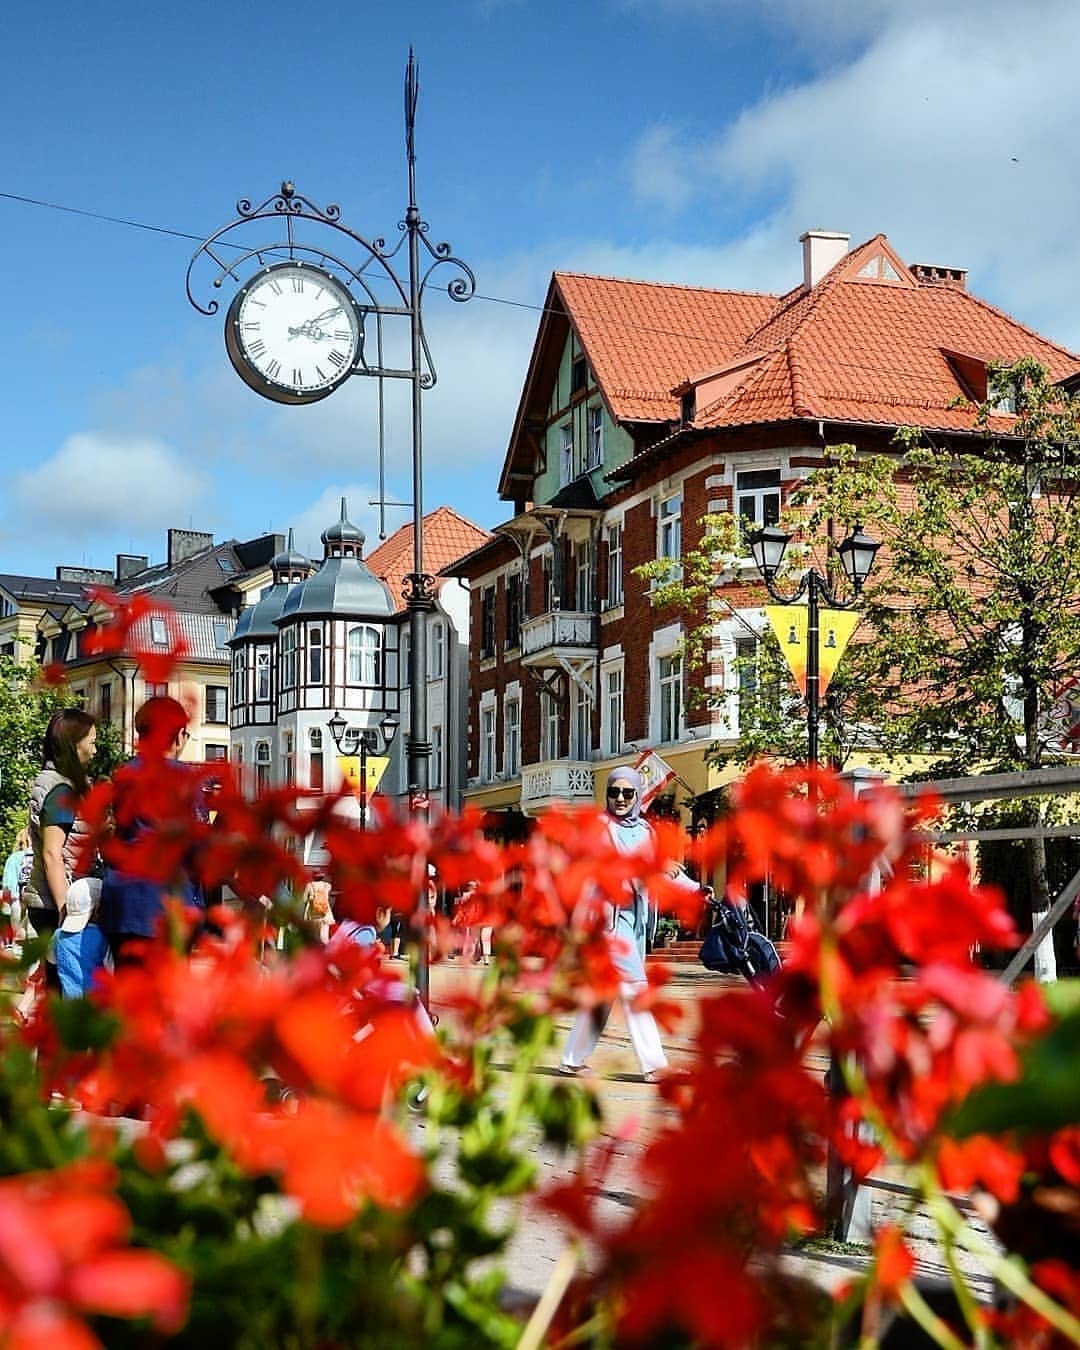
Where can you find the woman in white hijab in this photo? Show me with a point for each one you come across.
(631, 922)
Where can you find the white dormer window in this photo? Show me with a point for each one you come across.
(159, 633)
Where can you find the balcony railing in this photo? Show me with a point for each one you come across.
(565, 632)
(557, 782)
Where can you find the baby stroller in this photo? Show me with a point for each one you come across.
(734, 946)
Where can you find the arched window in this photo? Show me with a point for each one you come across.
(365, 654)
(262, 765)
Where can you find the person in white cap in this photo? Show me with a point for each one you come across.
(79, 947)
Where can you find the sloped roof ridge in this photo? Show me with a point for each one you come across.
(1016, 323)
(799, 401)
(817, 293)
(665, 285)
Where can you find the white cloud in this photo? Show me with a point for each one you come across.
(953, 131)
(658, 169)
(309, 521)
(95, 483)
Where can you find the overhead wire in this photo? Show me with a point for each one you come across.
(130, 223)
(624, 324)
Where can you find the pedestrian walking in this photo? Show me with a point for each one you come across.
(18, 862)
(631, 922)
(58, 838)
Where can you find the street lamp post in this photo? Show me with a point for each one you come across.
(767, 547)
(857, 552)
(365, 741)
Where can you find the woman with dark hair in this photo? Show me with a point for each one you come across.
(55, 829)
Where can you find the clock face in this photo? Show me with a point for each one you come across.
(294, 333)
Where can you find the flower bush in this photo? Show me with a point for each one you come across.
(217, 1146)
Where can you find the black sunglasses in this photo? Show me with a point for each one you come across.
(627, 794)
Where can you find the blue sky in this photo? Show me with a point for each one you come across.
(681, 140)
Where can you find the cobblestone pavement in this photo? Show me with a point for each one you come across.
(633, 1112)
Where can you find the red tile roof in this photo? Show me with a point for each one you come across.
(643, 338)
(855, 348)
(448, 536)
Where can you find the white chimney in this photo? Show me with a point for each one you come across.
(821, 251)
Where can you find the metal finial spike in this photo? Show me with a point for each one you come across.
(290, 544)
(412, 92)
(344, 510)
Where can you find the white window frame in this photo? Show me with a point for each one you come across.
(220, 694)
(315, 653)
(566, 453)
(669, 527)
(595, 436)
(436, 756)
(288, 757)
(758, 505)
(550, 720)
(316, 756)
(612, 711)
(262, 765)
(613, 534)
(262, 674)
(512, 736)
(667, 642)
(583, 576)
(364, 649)
(239, 669)
(437, 651)
(488, 725)
(670, 697)
(580, 723)
(287, 658)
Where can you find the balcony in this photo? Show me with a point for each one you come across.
(557, 637)
(557, 782)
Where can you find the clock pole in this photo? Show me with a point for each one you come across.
(419, 585)
(315, 238)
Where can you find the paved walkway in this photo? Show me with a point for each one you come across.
(627, 1100)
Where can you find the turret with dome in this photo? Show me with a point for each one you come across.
(319, 641)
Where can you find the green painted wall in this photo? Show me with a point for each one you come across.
(618, 447)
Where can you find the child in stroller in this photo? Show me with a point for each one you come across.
(734, 946)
